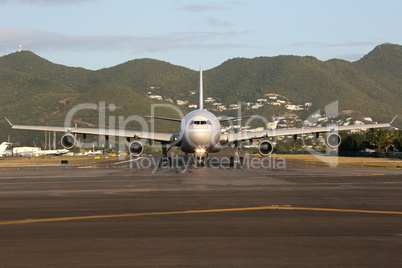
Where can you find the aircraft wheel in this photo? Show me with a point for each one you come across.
(201, 162)
(241, 162)
(165, 162)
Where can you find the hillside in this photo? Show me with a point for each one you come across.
(37, 91)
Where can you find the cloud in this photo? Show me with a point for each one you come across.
(45, 2)
(218, 23)
(330, 45)
(210, 7)
(351, 44)
(200, 8)
(36, 40)
(350, 57)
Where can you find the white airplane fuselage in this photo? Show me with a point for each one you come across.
(200, 129)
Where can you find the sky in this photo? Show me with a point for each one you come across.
(97, 34)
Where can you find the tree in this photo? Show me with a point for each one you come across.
(379, 138)
(397, 142)
(352, 142)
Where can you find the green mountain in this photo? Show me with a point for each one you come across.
(36, 91)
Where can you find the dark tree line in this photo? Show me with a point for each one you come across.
(380, 140)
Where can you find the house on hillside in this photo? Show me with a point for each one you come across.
(181, 102)
(155, 97)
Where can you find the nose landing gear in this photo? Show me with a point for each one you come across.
(200, 157)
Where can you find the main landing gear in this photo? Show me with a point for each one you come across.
(236, 160)
(165, 161)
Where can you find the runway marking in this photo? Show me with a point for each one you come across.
(321, 175)
(127, 161)
(351, 183)
(198, 211)
(86, 181)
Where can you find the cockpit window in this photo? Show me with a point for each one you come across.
(192, 122)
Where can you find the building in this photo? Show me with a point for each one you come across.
(155, 97)
(234, 106)
(256, 106)
(293, 107)
(180, 102)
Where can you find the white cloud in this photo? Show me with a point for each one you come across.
(214, 22)
(44, 2)
(201, 8)
(330, 45)
(36, 40)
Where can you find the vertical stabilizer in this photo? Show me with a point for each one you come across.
(3, 147)
(201, 91)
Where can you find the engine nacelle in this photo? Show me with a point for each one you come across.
(136, 148)
(265, 148)
(333, 140)
(68, 141)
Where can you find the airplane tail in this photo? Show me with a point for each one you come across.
(3, 147)
(201, 91)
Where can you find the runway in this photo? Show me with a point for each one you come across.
(304, 216)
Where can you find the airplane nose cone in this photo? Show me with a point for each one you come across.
(200, 139)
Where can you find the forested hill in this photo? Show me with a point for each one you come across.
(36, 91)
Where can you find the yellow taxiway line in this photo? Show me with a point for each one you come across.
(198, 211)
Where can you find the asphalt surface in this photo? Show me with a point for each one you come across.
(111, 215)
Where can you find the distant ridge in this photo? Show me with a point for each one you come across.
(34, 88)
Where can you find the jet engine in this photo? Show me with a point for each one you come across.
(136, 148)
(333, 140)
(265, 147)
(68, 141)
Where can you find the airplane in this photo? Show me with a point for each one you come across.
(52, 152)
(32, 153)
(200, 134)
(3, 148)
(90, 152)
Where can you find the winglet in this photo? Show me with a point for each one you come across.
(392, 121)
(9, 122)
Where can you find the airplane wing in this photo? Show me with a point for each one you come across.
(164, 118)
(161, 137)
(232, 137)
(236, 118)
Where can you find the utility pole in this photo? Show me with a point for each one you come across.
(54, 140)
